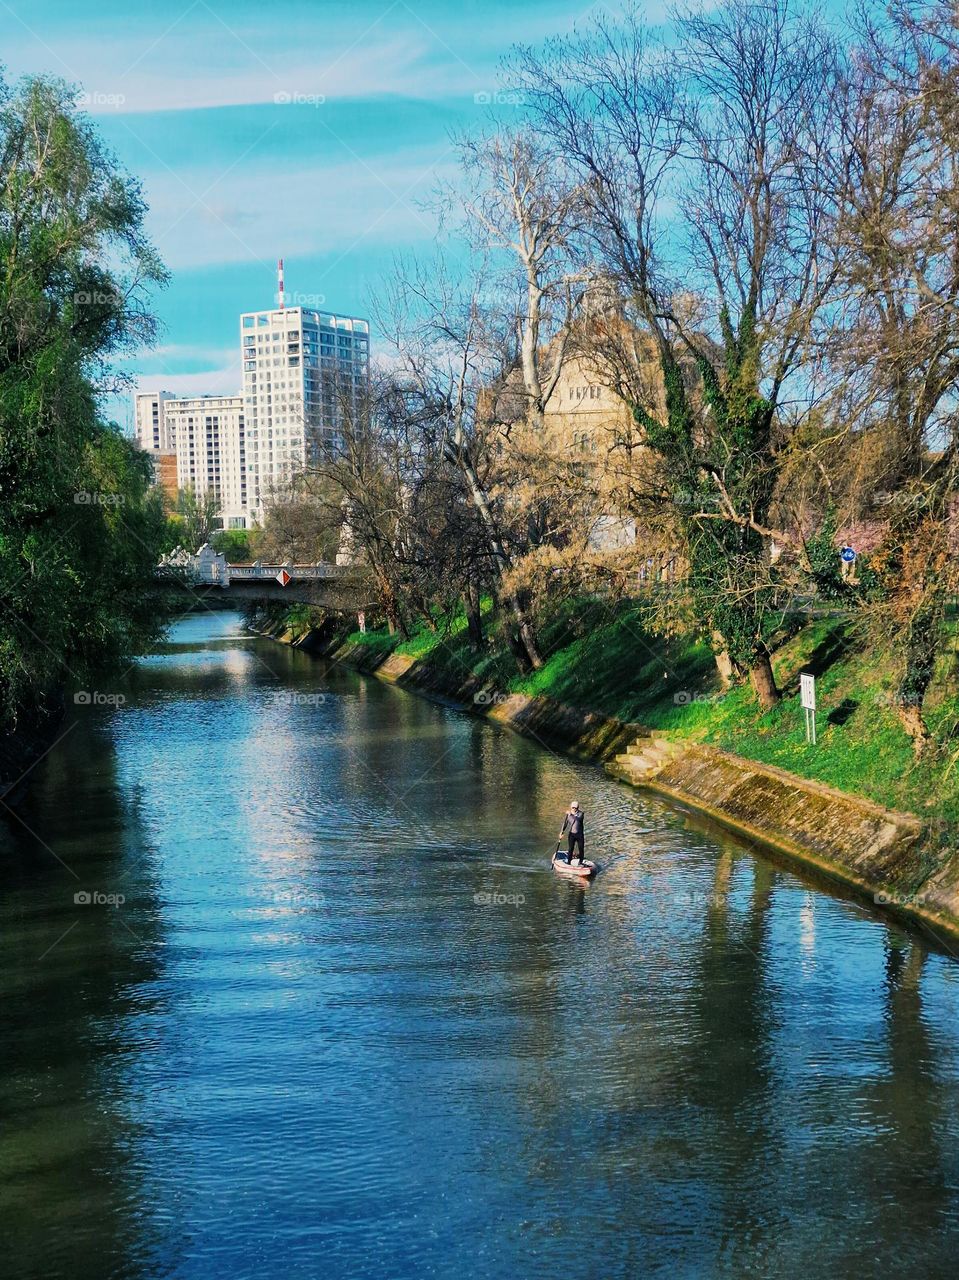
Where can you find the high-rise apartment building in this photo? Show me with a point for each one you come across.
(303, 372)
(208, 432)
(149, 424)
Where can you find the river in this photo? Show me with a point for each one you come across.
(346, 1023)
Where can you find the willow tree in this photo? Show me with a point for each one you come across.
(702, 165)
(79, 531)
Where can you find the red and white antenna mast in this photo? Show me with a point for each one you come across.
(279, 278)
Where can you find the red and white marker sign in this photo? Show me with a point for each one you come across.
(283, 578)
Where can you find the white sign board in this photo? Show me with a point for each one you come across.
(807, 692)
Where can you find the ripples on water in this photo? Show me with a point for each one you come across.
(308, 1045)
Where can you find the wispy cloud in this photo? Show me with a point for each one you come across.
(396, 65)
(185, 353)
(251, 211)
(223, 377)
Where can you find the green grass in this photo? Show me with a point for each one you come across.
(618, 668)
(605, 660)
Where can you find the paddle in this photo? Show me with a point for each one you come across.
(556, 850)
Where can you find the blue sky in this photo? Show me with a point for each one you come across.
(304, 129)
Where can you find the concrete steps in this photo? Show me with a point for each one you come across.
(643, 759)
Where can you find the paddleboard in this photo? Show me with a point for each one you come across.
(580, 871)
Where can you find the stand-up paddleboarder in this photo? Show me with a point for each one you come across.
(573, 827)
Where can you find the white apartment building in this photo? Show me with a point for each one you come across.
(208, 433)
(302, 371)
(149, 420)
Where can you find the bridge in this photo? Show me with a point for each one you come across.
(330, 586)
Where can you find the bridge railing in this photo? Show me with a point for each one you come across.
(209, 568)
(267, 571)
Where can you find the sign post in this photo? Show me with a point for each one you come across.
(807, 697)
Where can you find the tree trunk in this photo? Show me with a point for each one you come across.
(724, 663)
(517, 648)
(763, 681)
(474, 617)
(921, 640)
(526, 634)
(393, 620)
(425, 612)
(911, 718)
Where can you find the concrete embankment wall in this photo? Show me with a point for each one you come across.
(882, 852)
(887, 855)
(571, 729)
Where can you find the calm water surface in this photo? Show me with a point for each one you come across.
(346, 1023)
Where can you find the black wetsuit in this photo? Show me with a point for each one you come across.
(573, 823)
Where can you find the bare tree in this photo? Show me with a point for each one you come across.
(300, 525)
(895, 336)
(702, 168)
(522, 200)
(449, 352)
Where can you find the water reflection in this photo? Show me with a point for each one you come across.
(348, 1023)
(76, 978)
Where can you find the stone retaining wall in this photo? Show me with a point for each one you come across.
(887, 855)
(882, 852)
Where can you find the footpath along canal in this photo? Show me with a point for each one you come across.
(288, 990)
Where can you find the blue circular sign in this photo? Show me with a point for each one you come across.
(847, 554)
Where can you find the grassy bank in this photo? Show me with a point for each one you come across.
(609, 663)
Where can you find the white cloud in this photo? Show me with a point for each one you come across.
(255, 211)
(197, 59)
(222, 376)
(171, 352)
(117, 76)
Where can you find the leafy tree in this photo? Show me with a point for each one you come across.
(80, 529)
(199, 516)
(235, 544)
